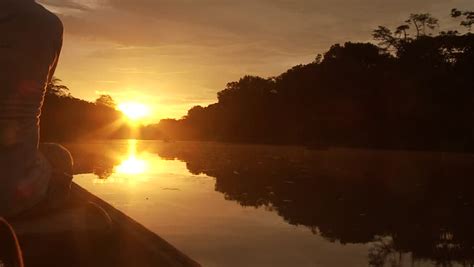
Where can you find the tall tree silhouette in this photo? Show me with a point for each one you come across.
(55, 87)
(105, 100)
(468, 20)
(422, 22)
(412, 91)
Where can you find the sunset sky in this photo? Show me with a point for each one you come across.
(175, 54)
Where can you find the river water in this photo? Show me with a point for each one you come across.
(250, 205)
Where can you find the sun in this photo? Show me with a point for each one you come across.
(134, 111)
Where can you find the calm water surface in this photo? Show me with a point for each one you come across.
(245, 205)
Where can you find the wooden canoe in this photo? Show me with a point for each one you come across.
(66, 239)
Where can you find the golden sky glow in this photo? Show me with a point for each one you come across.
(134, 111)
(176, 54)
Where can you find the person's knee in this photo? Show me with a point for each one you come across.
(58, 156)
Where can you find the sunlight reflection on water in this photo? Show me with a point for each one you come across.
(133, 164)
(185, 209)
(133, 168)
(283, 206)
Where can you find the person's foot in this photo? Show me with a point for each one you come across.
(10, 253)
(60, 183)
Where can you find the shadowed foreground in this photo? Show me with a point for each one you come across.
(128, 244)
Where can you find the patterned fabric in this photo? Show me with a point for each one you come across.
(30, 43)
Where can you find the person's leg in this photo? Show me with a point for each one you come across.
(10, 252)
(60, 183)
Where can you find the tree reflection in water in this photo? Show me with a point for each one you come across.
(398, 202)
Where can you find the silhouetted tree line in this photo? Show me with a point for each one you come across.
(65, 118)
(414, 90)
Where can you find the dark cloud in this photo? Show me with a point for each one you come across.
(272, 23)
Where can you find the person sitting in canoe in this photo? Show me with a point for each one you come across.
(31, 175)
